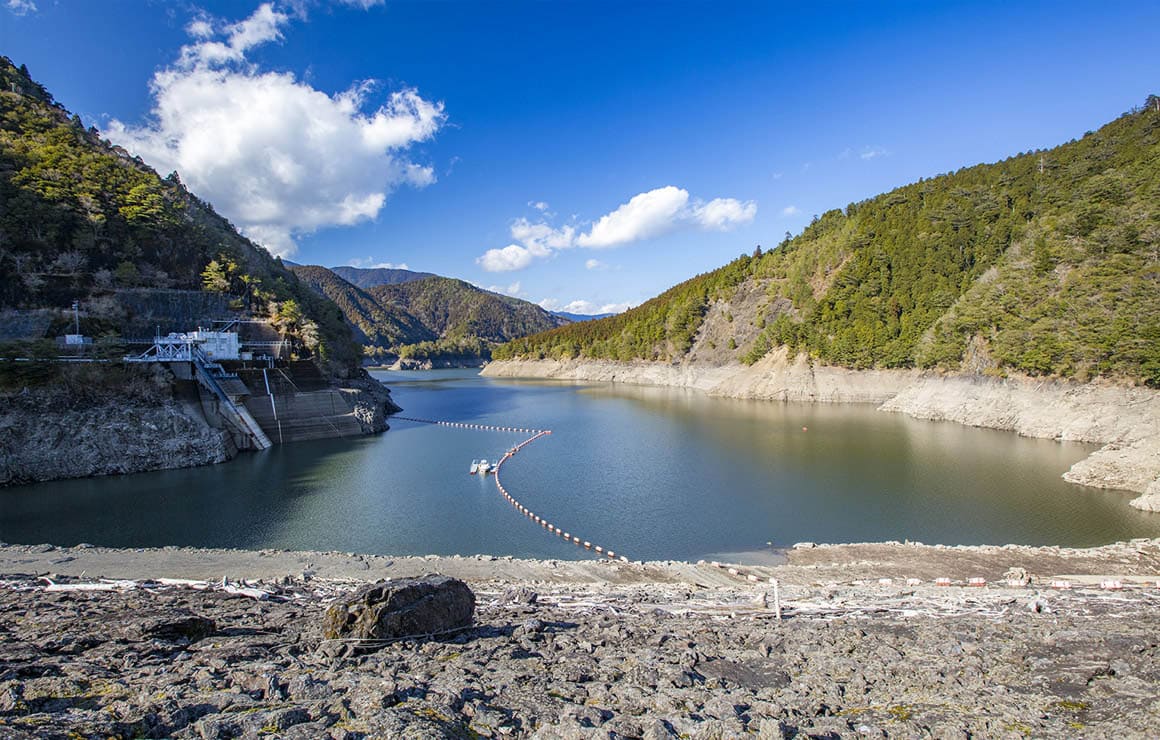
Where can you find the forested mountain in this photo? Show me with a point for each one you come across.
(374, 325)
(454, 308)
(369, 277)
(433, 318)
(82, 219)
(1046, 263)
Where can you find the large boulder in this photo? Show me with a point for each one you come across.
(168, 625)
(407, 607)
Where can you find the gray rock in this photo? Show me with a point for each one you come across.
(408, 607)
(169, 625)
(520, 595)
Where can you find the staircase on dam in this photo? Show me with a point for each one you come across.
(228, 391)
(295, 403)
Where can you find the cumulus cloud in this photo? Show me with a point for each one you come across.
(511, 257)
(595, 265)
(790, 211)
(21, 7)
(721, 214)
(541, 239)
(586, 308)
(539, 205)
(264, 25)
(371, 262)
(275, 155)
(645, 216)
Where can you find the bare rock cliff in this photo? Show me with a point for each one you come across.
(39, 442)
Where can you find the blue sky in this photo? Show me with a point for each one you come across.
(586, 155)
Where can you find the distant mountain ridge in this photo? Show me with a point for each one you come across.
(370, 277)
(426, 319)
(1046, 263)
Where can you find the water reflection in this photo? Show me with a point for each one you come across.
(655, 473)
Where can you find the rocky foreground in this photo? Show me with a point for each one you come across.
(588, 649)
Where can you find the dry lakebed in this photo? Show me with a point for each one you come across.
(852, 641)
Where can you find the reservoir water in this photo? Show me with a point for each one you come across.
(652, 473)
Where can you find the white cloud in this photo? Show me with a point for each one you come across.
(616, 307)
(871, 152)
(645, 216)
(539, 205)
(587, 308)
(259, 28)
(275, 155)
(595, 265)
(511, 257)
(790, 211)
(21, 7)
(200, 28)
(364, 4)
(372, 263)
(540, 239)
(721, 214)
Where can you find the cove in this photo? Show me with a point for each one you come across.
(650, 472)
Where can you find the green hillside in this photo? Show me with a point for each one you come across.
(1046, 263)
(453, 308)
(82, 219)
(433, 318)
(374, 325)
(369, 277)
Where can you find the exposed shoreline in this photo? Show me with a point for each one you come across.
(1125, 421)
(804, 564)
(587, 649)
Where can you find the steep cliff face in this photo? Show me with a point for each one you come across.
(40, 444)
(370, 401)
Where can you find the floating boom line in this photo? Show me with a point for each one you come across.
(568, 536)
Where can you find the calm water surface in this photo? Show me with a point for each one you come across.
(653, 473)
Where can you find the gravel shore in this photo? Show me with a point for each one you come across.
(867, 645)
